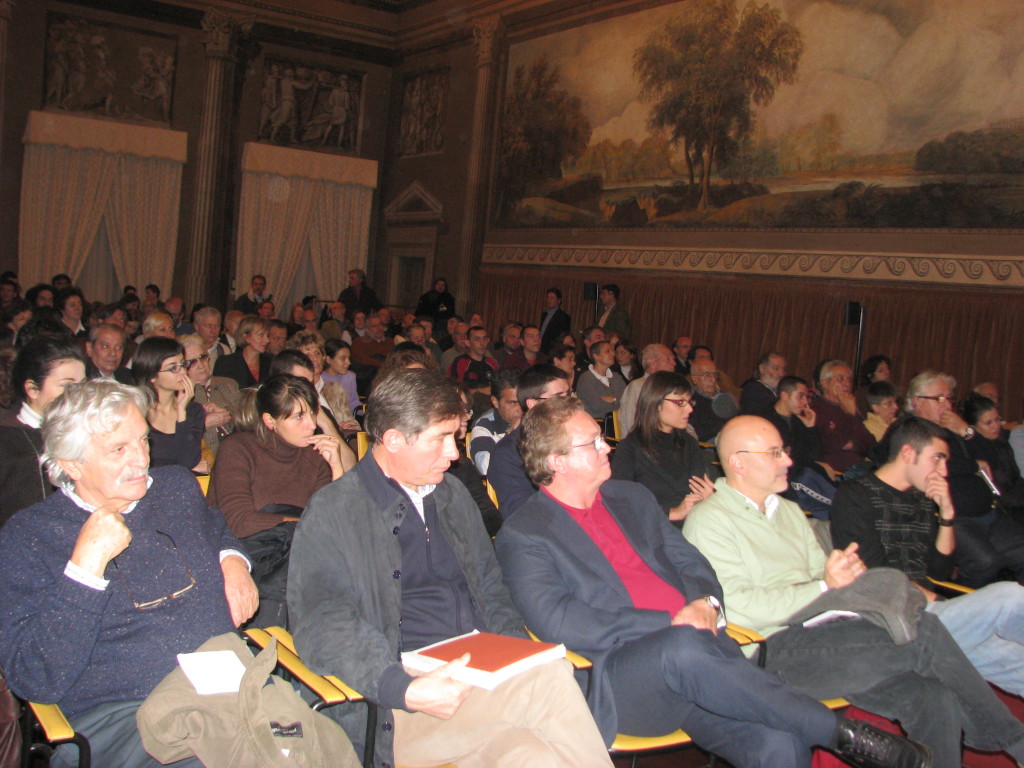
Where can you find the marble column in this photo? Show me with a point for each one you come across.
(487, 34)
(6, 9)
(222, 38)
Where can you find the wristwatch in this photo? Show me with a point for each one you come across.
(968, 433)
(713, 602)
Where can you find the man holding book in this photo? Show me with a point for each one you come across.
(393, 556)
(594, 563)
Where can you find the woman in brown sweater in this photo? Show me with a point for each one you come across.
(263, 480)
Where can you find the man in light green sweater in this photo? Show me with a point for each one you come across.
(770, 566)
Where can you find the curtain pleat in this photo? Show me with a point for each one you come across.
(339, 235)
(973, 334)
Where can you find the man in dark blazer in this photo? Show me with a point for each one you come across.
(554, 322)
(593, 563)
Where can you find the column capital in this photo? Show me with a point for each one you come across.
(487, 33)
(222, 34)
(6, 9)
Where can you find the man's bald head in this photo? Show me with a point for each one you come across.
(752, 455)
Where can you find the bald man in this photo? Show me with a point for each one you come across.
(771, 567)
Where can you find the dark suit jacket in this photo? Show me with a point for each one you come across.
(569, 593)
(561, 324)
(233, 366)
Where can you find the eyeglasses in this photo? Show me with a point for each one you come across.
(682, 402)
(775, 453)
(938, 398)
(144, 606)
(597, 444)
(202, 358)
(174, 368)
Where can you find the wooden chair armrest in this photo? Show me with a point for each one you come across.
(952, 586)
(52, 720)
(743, 635)
(286, 657)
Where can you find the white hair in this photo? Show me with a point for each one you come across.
(83, 411)
(921, 382)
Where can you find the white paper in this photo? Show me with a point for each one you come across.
(213, 671)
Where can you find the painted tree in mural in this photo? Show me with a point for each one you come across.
(543, 126)
(705, 70)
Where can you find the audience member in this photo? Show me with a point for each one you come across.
(591, 336)
(466, 472)
(218, 395)
(528, 352)
(249, 303)
(175, 307)
(338, 359)
(332, 396)
(116, 541)
(844, 438)
(759, 394)
(176, 421)
(505, 471)
(263, 480)
(554, 321)
(775, 575)
(653, 358)
(277, 337)
(39, 374)
(563, 357)
(71, 303)
(991, 449)
(40, 295)
(359, 297)
(626, 364)
(613, 317)
(661, 661)
(902, 517)
(883, 406)
(599, 388)
(13, 319)
(475, 369)
(151, 299)
(712, 407)
(659, 453)
(437, 303)
(511, 342)
(250, 363)
(335, 326)
(498, 421)
(157, 323)
(459, 345)
(229, 337)
(105, 352)
(59, 282)
(353, 619)
(681, 350)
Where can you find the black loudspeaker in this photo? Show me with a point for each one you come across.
(853, 311)
(590, 291)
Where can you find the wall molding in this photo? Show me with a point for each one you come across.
(934, 269)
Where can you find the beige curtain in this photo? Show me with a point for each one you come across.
(299, 205)
(142, 220)
(79, 172)
(63, 195)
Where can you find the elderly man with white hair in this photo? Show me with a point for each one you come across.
(104, 583)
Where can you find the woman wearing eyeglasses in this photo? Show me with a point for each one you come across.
(176, 421)
(659, 453)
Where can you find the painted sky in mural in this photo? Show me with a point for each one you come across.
(895, 73)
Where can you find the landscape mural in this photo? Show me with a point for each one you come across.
(781, 114)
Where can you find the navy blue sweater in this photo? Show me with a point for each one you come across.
(63, 642)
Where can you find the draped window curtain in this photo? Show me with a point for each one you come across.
(304, 221)
(973, 334)
(80, 174)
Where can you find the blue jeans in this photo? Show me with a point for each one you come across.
(928, 685)
(988, 625)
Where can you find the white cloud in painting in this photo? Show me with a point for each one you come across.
(631, 124)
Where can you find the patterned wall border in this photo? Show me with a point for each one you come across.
(942, 269)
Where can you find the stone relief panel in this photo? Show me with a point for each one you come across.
(108, 70)
(424, 98)
(310, 106)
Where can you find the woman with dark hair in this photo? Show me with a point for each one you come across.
(249, 364)
(626, 364)
(176, 421)
(263, 480)
(659, 453)
(12, 319)
(875, 368)
(437, 302)
(465, 470)
(41, 370)
(70, 302)
(992, 451)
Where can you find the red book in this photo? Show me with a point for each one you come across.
(493, 658)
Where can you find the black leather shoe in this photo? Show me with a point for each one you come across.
(865, 746)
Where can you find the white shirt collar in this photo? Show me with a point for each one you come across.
(606, 380)
(771, 504)
(68, 489)
(29, 417)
